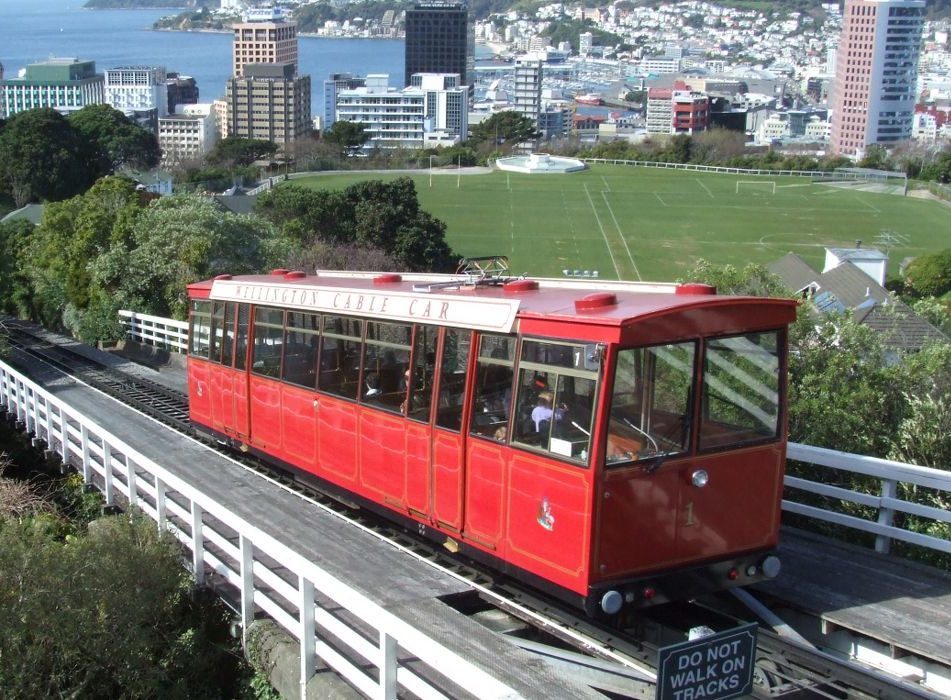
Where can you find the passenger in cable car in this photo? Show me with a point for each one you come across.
(373, 386)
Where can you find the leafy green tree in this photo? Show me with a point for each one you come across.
(349, 137)
(503, 127)
(307, 215)
(459, 154)
(114, 140)
(930, 275)
(15, 289)
(876, 156)
(42, 157)
(178, 240)
(107, 613)
(235, 151)
(752, 280)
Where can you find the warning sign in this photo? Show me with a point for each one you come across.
(711, 668)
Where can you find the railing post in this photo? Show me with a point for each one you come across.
(107, 469)
(886, 516)
(161, 508)
(84, 451)
(388, 659)
(246, 549)
(307, 633)
(63, 437)
(198, 544)
(130, 480)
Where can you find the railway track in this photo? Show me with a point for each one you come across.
(623, 659)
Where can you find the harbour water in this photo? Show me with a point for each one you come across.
(34, 30)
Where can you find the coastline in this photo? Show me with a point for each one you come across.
(304, 35)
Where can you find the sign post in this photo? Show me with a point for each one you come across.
(711, 668)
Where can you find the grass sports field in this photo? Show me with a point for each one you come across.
(643, 223)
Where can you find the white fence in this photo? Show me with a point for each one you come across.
(321, 612)
(819, 174)
(166, 333)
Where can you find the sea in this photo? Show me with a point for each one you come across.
(35, 30)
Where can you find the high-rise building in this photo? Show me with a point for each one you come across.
(440, 39)
(139, 92)
(528, 86)
(64, 84)
(876, 73)
(269, 102)
(334, 84)
(182, 90)
(266, 97)
(264, 37)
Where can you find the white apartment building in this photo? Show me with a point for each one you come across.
(401, 118)
(660, 64)
(660, 111)
(585, 42)
(137, 89)
(188, 135)
(529, 72)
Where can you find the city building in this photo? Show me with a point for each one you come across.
(139, 92)
(875, 78)
(64, 84)
(264, 37)
(269, 102)
(334, 83)
(660, 110)
(187, 136)
(585, 42)
(433, 111)
(439, 39)
(691, 112)
(182, 90)
(529, 72)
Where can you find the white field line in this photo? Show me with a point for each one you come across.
(871, 206)
(700, 182)
(606, 185)
(617, 270)
(620, 234)
(661, 200)
(795, 184)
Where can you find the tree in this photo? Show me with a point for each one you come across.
(15, 290)
(349, 137)
(42, 157)
(503, 127)
(234, 151)
(930, 275)
(114, 141)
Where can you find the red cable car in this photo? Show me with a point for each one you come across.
(615, 444)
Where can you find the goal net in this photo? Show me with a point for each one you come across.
(756, 186)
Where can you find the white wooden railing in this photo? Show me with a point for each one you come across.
(166, 333)
(269, 575)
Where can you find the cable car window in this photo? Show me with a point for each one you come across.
(741, 390)
(493, 387)
(268, 340)
(341, 343)
(217, 330)
(651, 404)
(241, 341)
(452, 382)
(556, 397)
(200, 330)
(227, 346)
(301, 338)
(420, 380)
(385, 364)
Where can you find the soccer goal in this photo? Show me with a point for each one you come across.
(756, 186)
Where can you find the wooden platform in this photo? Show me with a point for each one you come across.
(902, 604)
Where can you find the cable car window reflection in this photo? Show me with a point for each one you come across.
(418, 382)
(217, 331)
(241, 341)
(741, 390)
(385, 362)
(200, 331)
(268, 340)
(493, 387)
(341, 343)
(452, 382)
(651, 403)
(227, 346)
(300, 349)
(556, 397)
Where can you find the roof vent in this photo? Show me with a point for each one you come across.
(295, 275)
(695, 288)
(279, 271)
(391, 278)
(592, 302)
(223, 277)
(518, 286)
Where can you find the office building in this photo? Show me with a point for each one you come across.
(139, 92)
(64, 84)
(264, 37)
(182, 90)
(440, 39)
(874, 93)
(187, 136)
(528, 86)
(269, 102)
(334, 83)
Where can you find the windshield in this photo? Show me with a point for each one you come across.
(650, 407)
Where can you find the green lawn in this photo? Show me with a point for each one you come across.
(640, 223)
